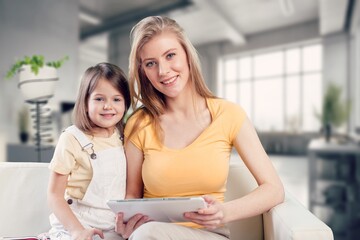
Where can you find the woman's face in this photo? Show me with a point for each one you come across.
(165, 64)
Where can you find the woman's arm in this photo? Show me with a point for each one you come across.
(62, 211)
(269, 193)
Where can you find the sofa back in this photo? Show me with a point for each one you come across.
(23, 206)
(24, 209)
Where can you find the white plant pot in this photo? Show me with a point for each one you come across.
(38, 87)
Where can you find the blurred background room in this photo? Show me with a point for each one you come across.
(293, 65)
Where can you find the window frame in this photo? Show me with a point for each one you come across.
(285, 75)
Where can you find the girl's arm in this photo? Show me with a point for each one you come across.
(134, 183)
(62, 211)
(134, 189)
(269, 193)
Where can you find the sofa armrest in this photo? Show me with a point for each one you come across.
(290, 220)
(23, 204)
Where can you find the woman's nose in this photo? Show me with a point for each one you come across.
(163, 68)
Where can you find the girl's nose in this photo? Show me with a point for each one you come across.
(107, 106)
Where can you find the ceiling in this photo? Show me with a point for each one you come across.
(213, 20)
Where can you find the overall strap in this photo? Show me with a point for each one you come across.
(80, 137)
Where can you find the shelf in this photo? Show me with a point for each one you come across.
(334, 185)
(321, 146)
(27, 153)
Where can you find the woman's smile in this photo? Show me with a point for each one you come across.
(170, 81)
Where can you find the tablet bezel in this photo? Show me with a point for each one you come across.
(158, 209)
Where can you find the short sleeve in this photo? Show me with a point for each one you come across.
(63, 160)
(235, 116)
(133, 127)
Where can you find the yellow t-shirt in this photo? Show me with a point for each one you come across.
(70, 159)
(198, 169)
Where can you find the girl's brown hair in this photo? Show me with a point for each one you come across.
(109, 72)
(141, 89)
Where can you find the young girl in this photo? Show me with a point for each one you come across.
(89, 167)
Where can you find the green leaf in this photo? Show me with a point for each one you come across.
(36, 62)
(334, 110)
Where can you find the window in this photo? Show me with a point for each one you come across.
(280, 89)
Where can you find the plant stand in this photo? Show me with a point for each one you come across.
(42, 125)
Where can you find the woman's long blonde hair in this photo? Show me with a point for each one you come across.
(141, 89)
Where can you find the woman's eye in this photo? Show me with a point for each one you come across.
(170, 55)
(150, 64)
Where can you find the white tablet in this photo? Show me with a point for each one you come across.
(158, 209)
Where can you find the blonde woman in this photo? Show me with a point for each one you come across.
(179, 142)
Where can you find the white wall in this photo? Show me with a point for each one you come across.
(119, 48)
(49, 28)
(354, 66)
(336, 66)
(335, 61)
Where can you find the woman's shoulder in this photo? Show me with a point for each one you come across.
(138, 114)
(137, 120)
(223, 105)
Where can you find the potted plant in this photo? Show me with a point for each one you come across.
(36, 77)
(23, 122)
(334, 111)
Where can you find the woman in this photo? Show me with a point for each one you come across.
(179, 142)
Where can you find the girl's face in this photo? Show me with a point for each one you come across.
(165, 64)
(106, 105)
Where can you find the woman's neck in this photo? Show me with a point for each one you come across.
(188, 106)
(189, 102)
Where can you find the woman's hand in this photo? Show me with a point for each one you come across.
(126, 229)
(86, 234)
(210, 217)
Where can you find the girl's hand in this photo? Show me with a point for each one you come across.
(125, 229)
(210, 217)
(86, 234)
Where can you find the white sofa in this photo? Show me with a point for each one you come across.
(24, 209)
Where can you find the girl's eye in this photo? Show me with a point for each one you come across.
(117, 99)
(98, 99)
(170, 55)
